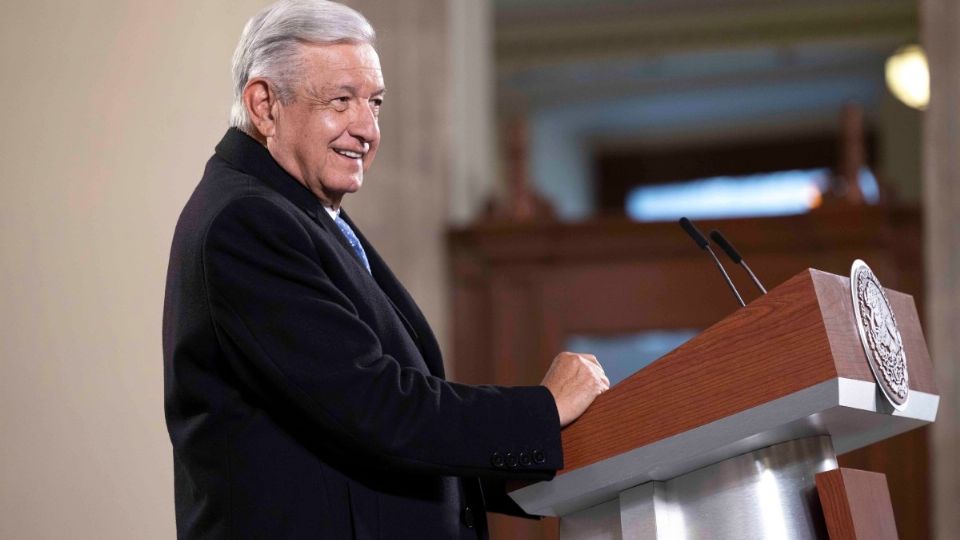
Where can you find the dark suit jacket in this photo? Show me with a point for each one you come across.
(305, 398)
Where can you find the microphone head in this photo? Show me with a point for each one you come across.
(693, 232)
(726, 246)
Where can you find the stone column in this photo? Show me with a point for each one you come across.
(941, 186)
(473, 174)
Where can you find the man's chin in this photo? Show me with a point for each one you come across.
(354, 186)
(337, 190)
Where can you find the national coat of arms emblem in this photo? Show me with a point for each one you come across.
(879, 334)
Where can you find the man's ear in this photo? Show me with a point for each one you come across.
(260, 102)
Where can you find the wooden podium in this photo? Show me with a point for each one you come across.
(723, 437)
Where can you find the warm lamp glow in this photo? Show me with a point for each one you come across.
(908, 76)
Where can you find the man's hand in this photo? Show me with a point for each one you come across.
(575, 380)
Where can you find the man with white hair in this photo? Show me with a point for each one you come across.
(305, 395)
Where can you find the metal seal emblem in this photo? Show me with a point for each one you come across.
(879, 334)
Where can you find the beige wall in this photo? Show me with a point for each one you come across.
(111, 109)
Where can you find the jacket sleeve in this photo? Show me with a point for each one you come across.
(295, 341)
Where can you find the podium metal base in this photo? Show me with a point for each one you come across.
(767, 493)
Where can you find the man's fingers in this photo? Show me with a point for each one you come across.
(575, 380)
(590, 358)
(596, 368)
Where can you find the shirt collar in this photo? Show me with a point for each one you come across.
(333, 212)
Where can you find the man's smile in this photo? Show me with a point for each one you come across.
(352, 154)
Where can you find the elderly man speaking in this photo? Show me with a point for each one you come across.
(305, 394)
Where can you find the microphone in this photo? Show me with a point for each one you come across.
(702, 242)
(735, 257)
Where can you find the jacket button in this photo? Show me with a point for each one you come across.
(496, 459)
(511, 460)
(468, 518)
(539, 458)
(524, 459)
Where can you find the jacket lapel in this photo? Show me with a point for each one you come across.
(403, 304)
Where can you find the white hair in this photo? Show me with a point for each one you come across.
(270, 45)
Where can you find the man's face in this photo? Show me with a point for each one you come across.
(327, 136)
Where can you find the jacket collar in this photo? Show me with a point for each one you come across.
(247, 154)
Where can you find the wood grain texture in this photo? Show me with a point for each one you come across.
(775, 346)
(856, 505)
(837, 308)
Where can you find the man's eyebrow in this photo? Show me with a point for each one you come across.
(352, 90)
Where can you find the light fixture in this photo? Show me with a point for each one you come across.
(908, 76)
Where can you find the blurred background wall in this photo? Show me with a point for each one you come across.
(499, 111)
(113, 109)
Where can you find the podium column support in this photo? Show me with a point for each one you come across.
(767, 493)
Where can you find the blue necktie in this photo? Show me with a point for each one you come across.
(354, 241)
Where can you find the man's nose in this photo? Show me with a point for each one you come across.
(365, 125)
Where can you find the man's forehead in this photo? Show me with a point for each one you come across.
(345, 72)
(353, 81)
(338, 56)
(332, 66)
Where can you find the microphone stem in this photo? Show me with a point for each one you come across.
(753, 276)
(726, 276)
